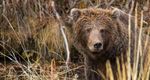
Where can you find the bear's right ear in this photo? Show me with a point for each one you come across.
(116, 13)
(75, 14)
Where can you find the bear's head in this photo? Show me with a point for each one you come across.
(95, 30)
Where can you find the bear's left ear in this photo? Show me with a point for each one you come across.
(75, 14)
(116, 13)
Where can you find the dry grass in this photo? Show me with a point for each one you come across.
(29, 30)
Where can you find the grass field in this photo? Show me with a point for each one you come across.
(32, 45)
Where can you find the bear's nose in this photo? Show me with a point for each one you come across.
(98, 45)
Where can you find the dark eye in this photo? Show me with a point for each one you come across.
(88, 29)
(102, 31)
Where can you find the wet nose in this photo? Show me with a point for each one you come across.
(98, 45)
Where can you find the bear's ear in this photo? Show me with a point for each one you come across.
(73, 17)
(116, 13)
(75, 14)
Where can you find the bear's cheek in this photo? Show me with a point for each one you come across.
(107, 42)
(84, 39)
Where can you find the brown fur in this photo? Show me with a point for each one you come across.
(115, 39)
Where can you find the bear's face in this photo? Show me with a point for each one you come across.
(95, 35)
(94, 29)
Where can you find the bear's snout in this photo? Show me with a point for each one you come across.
(95, 41)
(98, 46)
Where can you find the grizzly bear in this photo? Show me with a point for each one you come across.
(101, 35)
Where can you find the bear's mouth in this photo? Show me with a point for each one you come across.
(95, 52)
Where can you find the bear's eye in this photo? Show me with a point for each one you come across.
(88, 29)
(102, 31)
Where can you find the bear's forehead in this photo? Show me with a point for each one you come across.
(93, 12)
(95, 15)
(96, 19)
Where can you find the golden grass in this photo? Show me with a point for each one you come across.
(35, 22)
(141, 66)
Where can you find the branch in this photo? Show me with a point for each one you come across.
(63, 33)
